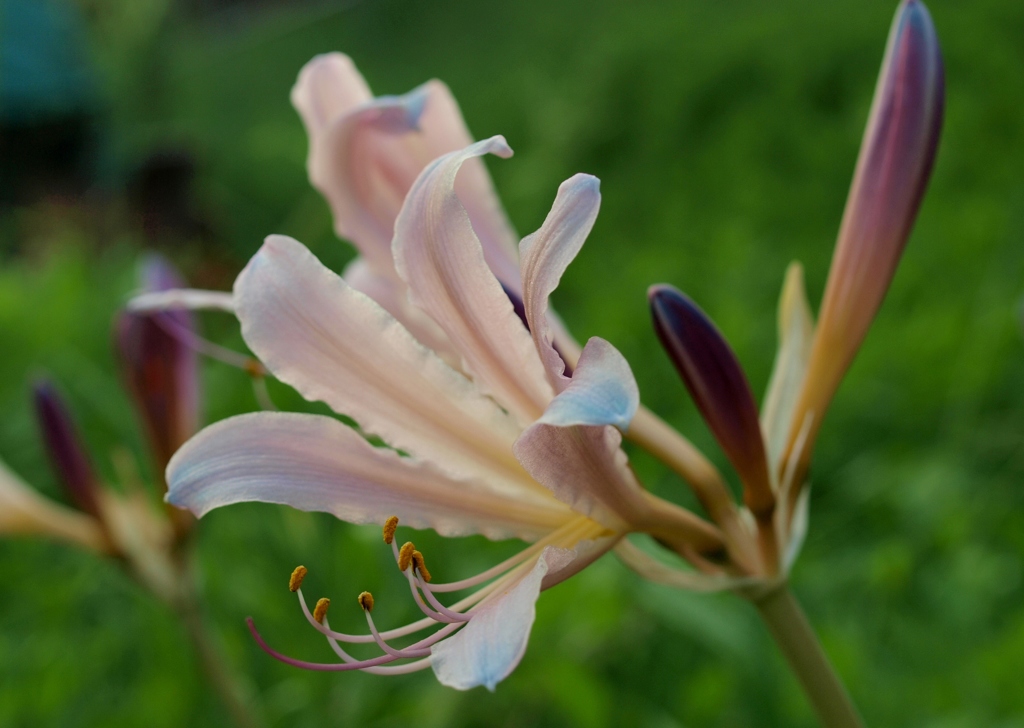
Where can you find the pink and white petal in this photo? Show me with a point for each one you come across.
(316, 463)
(182, 298)
(393, 297)
(444, 131)
(336, 345)
(602, 391)
(547, 253)
(575, 452)
(364, 165)
(439, 256)
(490, 647)
(585, 468)
(595, 544)
(328, 87)
(796, 332)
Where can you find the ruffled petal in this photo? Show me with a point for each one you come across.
(336, 345)
(602, 391)
(547, 253)
(488, 649)
(582, 462)
(316, 463)
(796, 329)
(438, 254)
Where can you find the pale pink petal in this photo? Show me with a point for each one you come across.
(328, 87)
(316, 463)
(572, 451)
(364, 165)
(488, 649)
(602, 391)
(439, 256)
(586, 469)
(336, 345)
(547, 253)
(599, 542)
(366, 160)
(392, 295)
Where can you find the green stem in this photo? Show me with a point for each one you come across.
(796, 639)
(215, 666)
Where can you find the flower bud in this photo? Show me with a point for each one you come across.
(160, 369)
(718, 387)
(66, 449)
(895, 163)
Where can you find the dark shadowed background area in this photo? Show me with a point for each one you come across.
(725, 136)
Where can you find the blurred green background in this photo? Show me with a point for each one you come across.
(725, 136)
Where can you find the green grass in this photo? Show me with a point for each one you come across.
(725, 136)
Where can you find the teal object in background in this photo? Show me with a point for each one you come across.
(44, 67)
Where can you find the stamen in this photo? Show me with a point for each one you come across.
(398, 669)
(405, 555)
(406, 653)
(420, 565)
(436, 604)
(390, 526)
(436, 616)
(365, 601)
(320, 666)
(295, 581)
(320, 610)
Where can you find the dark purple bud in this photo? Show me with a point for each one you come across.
(718, 387)
(65, 448)
(160, 369)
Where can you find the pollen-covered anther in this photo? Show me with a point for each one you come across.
(366, 601)
(296, 578)
(320, 610)
(405, 555)
(420, 565)
(390, 526)
(255, 369)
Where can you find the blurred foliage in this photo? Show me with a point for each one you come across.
(725, 136)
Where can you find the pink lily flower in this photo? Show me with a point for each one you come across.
(507, 445)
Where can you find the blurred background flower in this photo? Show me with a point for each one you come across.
(723, 135)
